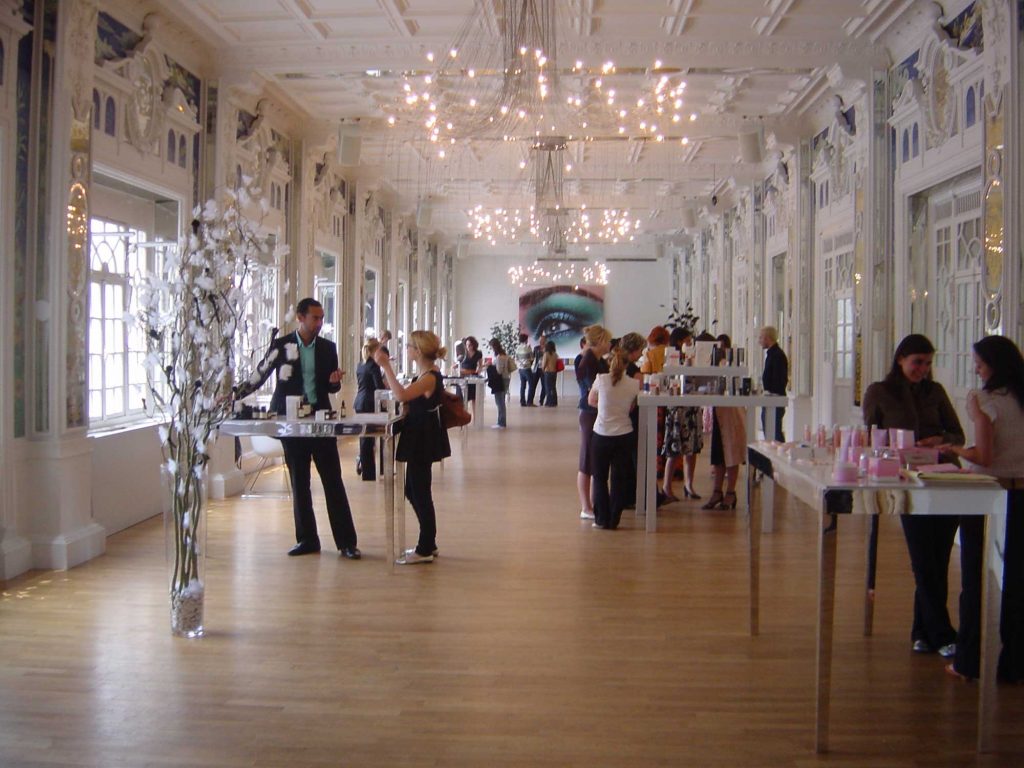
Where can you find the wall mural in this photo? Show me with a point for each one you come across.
(561, 312)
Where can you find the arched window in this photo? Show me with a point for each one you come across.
(182, 151)
(916, 141)
(906, 146)
(172, 146)
(110, 117)
(96, 107)
(970, 109)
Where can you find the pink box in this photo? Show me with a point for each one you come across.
(883, 469)
(902, 438)
(844, 472)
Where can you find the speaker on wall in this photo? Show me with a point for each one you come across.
(423, 213)
(750, 147)
(350, 144)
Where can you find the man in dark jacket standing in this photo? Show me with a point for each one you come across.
(307, 365)
(775, 377)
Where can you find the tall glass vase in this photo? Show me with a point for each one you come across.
(185, 538)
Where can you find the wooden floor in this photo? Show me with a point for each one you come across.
(534, 640)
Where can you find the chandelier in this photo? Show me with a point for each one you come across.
(476, 91)
(562, 273)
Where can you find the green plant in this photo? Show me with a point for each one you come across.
(685, 319)
(507, 332)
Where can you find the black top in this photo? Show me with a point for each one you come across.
(923, 407)
(586, 374)
(283, 356)
(471, 362)
(776, 371)
(368, 380)
(422, 437)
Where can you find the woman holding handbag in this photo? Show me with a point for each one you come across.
(504, 366)
(423, 439)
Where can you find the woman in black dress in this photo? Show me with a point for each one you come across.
(368, 380)
(470, 364)
(423, 439)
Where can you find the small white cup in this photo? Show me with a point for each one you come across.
(291, 407)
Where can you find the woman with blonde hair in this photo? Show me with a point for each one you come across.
(368, 380)
(592, 364)
(614, 396)
(423, 439)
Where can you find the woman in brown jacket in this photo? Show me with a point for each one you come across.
(908, 399)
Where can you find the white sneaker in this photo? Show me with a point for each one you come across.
(435, 553)
(584, 515)
(411, 557)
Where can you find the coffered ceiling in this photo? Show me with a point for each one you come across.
(749, 65)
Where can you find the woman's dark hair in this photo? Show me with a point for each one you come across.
(678, 336)
(523, 338)
(724, 342)
(1003, 357)
(705, 336)
(472, 340)
(914, 344)
(496, 346)
(549, 346)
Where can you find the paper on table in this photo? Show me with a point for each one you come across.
(960, 476)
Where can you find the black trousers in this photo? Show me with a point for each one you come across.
(777, 434)
(548, 392)
(368, 458)
(298, 453)
(417, 490)
(1011, 614)
(930, 541)
(537, 376)
(614, 455)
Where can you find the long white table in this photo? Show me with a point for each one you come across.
(813, 485)
(647, 449)
(354, 425)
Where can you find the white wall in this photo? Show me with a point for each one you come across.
(126, 487)
(638, 295)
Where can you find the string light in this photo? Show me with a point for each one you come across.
(561, 274)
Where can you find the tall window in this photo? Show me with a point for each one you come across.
(370, 301)
(117, 349)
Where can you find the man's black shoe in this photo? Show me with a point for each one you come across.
(352, 553)
(304, 548)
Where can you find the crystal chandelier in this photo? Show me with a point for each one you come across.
(476, 91)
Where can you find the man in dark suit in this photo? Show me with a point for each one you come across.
(537, 372)
(307, 366)
(774, 378)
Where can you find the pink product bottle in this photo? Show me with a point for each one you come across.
(807, 433)
(837, 434)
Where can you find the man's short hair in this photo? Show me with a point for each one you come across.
(772, 333)
(303, 307)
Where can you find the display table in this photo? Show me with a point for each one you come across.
(647, 449)
(354, 425)
(812, 484)
(462, 384)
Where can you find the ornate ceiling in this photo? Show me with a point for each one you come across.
(749, 65)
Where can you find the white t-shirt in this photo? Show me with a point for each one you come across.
(613, 404)
(1007, 427)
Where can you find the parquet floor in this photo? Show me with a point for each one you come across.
(534, 640)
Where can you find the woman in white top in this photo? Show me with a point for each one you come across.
(997, 410)
(611, 448)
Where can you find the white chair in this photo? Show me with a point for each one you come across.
(269, 450)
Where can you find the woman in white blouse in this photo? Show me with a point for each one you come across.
(997, 410)
(611, 448)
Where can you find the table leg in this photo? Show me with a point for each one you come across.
(400, 505)
(871, 567)
(387, 473)
(990, 640)
(651, 470)
(641, 466)
(754, 534)
(826, 600)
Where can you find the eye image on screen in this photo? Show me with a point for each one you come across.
(561, 312)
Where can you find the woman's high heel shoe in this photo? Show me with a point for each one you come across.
(690, 493)
(729, 501)
(713, 501)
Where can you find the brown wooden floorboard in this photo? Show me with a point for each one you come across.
(534, 640)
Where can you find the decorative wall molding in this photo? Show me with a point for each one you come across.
(79, 46)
